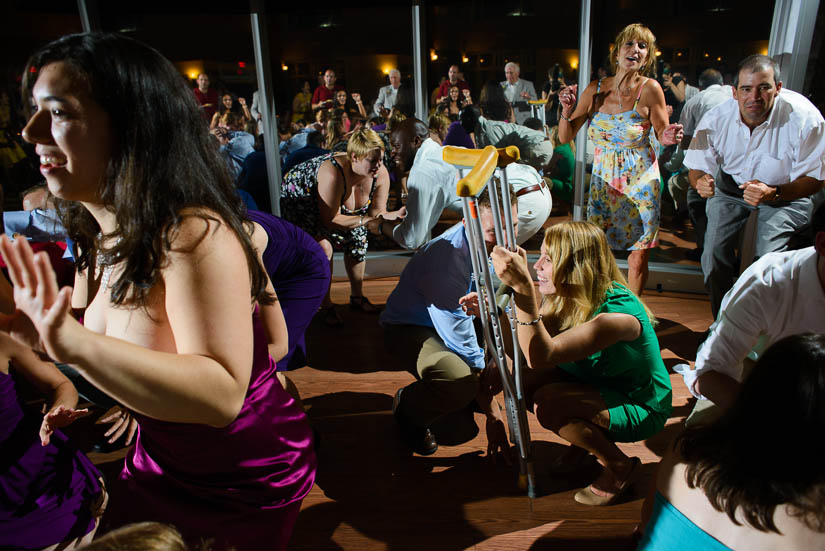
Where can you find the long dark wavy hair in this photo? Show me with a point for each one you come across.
(768, 449)
(164, 162)
(493, 103)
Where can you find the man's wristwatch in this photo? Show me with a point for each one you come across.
(778, 193)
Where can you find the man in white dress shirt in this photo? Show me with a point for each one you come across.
(768, 144)
(779, 295)
(432, 187)
(518, 91)
(388, 94)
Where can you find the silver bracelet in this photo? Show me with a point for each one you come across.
(535, 321)
(360, 220)
(565, 118)
(538, 319)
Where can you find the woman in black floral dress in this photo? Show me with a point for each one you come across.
(335, 198)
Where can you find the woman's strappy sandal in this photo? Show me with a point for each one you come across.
(586, 496)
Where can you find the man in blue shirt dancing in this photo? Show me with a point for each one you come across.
(427, 330)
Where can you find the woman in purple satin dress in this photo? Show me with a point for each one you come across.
(171, 291)
(299, 271)
(50, 493)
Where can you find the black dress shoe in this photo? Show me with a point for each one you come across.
(421, 440)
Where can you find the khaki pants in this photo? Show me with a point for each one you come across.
(445, 383)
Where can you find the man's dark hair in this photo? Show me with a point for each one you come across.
(493, 103)
(164, 161)
(484, 197)
(757, 63)
(468, 117)
(533, 123)
(709, 77)
(315, 139)
(729, 460)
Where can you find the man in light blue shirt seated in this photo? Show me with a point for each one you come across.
(426, 329)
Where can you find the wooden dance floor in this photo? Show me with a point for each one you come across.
(372, 493)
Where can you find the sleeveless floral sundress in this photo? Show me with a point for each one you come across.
(299, 205)
(624, 186)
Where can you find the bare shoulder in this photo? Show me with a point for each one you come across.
(200, 231)
(259, 238)
(651, 89)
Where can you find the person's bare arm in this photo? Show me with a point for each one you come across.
(719, 388)
(542, 350)
(207, 304)
(756, 192)
(61, 395)
(654, 100)
(573, 113)
(216, 118)
(356, 97)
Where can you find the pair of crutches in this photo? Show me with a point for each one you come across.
(487, 165)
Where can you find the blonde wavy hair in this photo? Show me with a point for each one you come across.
(637, 31)
(584, 270)
(362, 142)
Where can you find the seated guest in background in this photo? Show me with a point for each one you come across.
(518, 92)
(460, 132)
(352, 107)
(455, 101)
(453, 79)
(596, 373)
(302, 105)
(228, 106)
(550, 93)
(426, 331)
(324, 96)
(169, 294)
(562, 167)
(492, 128)
(313, 148)
(780, 294)
(235, 144)
(337, 129)
(673, 85)
(438, 125)
(754, 478)
(207, 97)
(52, 493)
(387, 94)
(333, 197)
(768, 143)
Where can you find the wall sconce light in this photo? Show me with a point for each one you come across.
(433, 55)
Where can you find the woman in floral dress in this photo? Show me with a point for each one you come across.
(336, 198)
(624, 187)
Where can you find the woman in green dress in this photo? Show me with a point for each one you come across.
(595, 373)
